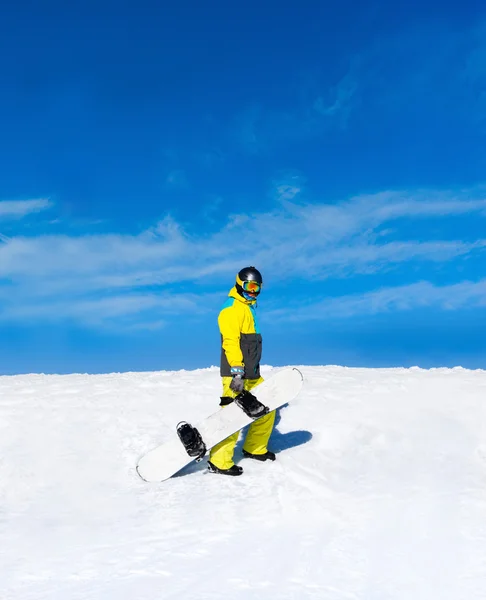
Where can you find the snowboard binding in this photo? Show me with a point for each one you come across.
(191, 440)
(250, 405)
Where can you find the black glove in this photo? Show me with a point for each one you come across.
(237, 383)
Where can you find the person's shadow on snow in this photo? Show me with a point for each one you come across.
(279, 442)
(284, 441)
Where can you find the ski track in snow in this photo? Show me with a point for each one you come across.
(378, 491)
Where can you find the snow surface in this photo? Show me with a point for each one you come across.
(378, 491)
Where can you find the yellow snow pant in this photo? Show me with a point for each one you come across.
(257, 437)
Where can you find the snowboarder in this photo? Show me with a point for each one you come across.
(240, 370)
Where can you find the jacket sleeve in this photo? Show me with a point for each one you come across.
(230, 328)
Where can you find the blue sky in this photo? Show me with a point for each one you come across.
(149, 150)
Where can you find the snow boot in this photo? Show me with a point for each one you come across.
(234, 470)
(267, 456)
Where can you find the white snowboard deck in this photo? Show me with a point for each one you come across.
(167, 459)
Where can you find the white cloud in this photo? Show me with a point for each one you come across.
(315, 239)
(287, 187)
(261, 129)
(400, 298)
(211, 207)
(339, 99)
(22, 208)
(136, 311)
(58, 274)
(379, 85)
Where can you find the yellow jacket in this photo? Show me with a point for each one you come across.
(241, 340)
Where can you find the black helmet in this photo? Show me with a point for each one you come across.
(249, 283)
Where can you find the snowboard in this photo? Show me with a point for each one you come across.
(169, 458)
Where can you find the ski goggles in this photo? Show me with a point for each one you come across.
(252, 286)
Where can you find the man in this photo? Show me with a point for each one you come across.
(240, 370)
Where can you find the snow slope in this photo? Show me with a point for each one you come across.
(378, 491)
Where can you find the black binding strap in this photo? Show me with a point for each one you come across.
(250, 405)
(225, 400)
